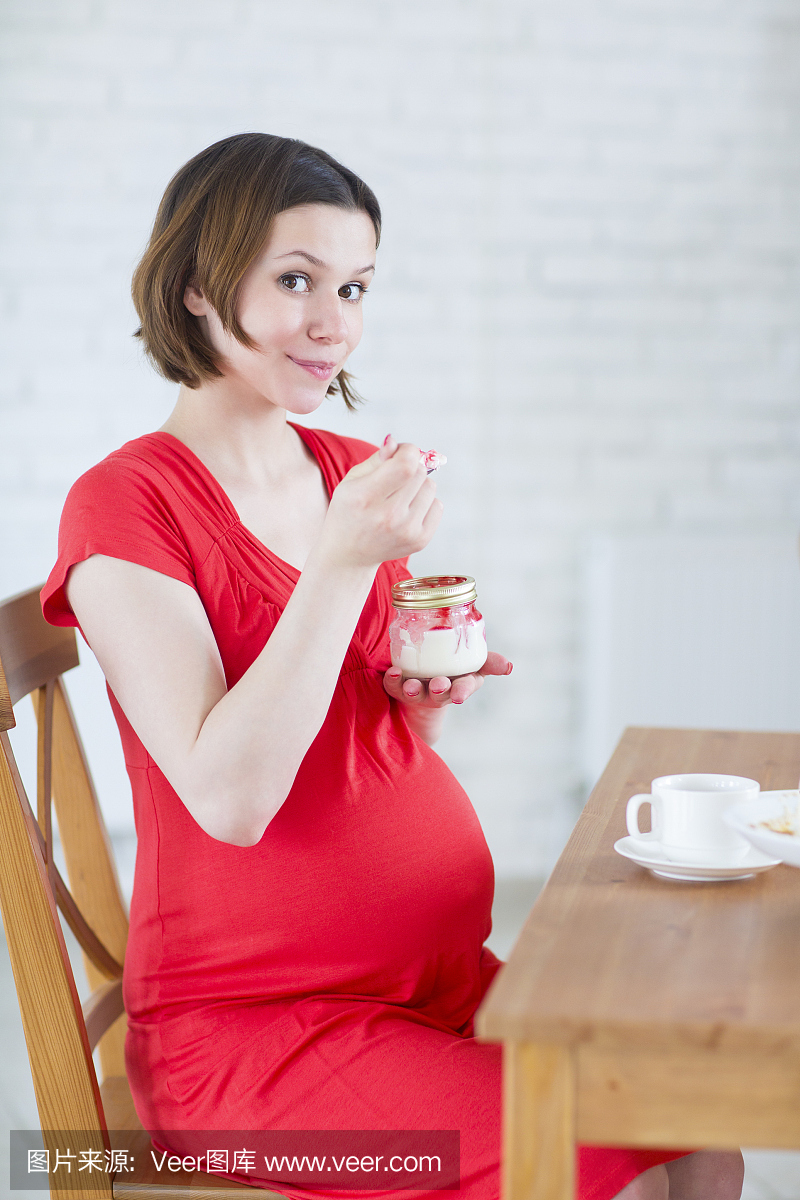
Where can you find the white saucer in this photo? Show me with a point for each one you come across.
(654, 858)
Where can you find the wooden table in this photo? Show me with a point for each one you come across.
(643, 1012)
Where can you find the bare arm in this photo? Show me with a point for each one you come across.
(232, 756)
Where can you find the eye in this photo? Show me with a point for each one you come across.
(295, 283)
(353, 292)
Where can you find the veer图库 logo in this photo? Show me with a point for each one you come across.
(355, 1159)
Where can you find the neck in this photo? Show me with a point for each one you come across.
(233, 438)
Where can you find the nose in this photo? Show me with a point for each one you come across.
(328, 319)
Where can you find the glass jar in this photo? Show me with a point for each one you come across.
(437, 629)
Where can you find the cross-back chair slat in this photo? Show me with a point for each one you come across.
(64, 1080)
(92, 875)
(43, 707)
(91, 869)
(34, 655)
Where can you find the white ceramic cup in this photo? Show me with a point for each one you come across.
(686, 816)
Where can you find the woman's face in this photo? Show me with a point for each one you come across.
(300, 302)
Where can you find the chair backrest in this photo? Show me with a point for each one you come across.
(60, 1033)
(34, 655)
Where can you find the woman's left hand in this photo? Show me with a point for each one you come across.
(425, 699)
(439, 691)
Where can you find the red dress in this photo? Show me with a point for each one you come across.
(327, 977)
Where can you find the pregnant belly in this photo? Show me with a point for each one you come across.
(375, 883)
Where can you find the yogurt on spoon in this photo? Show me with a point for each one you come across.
(433, 460)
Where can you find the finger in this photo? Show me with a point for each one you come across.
(413, 691)
(464, 686)
(431, 519)
(496, 664)
(421, 519)
(367, 467)
(404, 470)
(421, 500)
(388, 448)
(393, 683)
(439, 690)
(381, 455)
(411, 500)
(388, 476)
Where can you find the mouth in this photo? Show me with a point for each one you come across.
(320, 370)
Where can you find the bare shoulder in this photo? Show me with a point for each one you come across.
(104, 584)
(152, 638)
(124, 608)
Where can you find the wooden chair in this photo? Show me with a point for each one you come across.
(60, 1033)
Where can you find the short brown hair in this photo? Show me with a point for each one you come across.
(212, 222)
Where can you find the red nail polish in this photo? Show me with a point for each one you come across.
(387, 439)
(510, 668)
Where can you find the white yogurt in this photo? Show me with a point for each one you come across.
(448, 652)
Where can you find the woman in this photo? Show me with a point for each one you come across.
(312, 888)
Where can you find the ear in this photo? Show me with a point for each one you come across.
(195, 301)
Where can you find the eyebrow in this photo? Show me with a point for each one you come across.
(317, 262)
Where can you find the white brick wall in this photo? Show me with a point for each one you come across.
(587, 297)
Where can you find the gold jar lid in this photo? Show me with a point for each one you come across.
(434, 591)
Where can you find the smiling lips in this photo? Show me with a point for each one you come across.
(320, 370)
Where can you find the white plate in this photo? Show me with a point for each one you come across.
(746, 819)
(654, 858)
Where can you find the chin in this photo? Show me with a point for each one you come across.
(304, 403)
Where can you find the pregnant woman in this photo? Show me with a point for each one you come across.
(312, 890)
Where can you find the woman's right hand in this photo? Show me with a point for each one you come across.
(384, 508)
